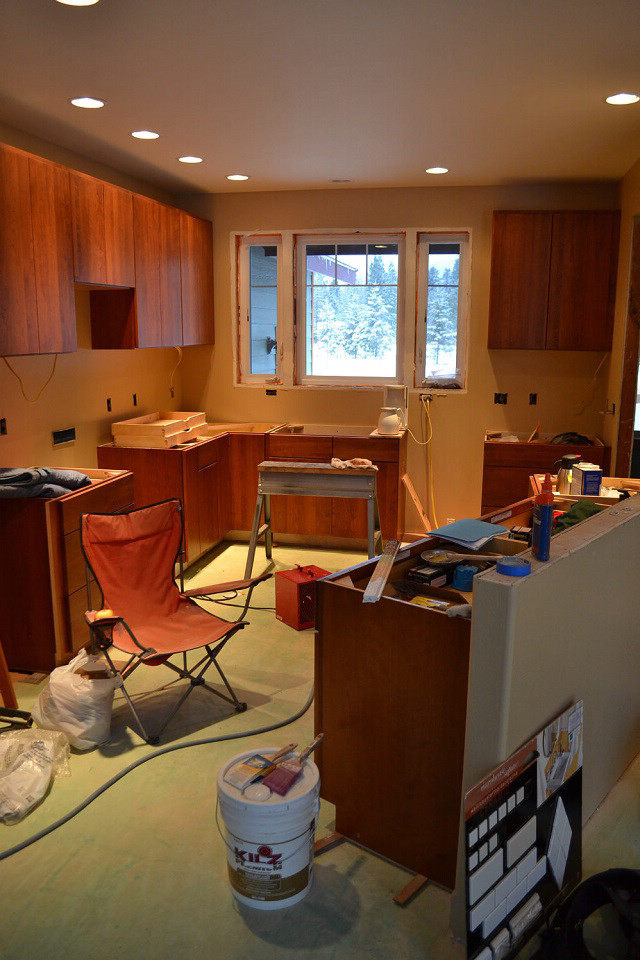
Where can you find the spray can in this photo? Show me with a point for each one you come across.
(542, 521)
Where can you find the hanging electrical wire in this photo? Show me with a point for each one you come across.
(42, 388)
(431, 507)
(173, 372)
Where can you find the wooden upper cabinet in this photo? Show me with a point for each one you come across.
(196, 263)
(53, 256)
(582, 281)
(157, 257)
(102, 232)
(553, 276)
(18, 307)
(36, 256)
(520, 258)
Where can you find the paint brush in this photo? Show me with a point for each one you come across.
(253, 768)
(287, 772)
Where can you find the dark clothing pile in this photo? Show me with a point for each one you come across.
(39, 482)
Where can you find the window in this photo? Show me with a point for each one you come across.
(347, 309)
(259, 267)
(320, 309)
(443, 302)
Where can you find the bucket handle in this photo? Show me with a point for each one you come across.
(284, 859)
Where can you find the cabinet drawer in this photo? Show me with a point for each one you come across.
(208, 453)
(299, 448)
(102, 498)
(385, 450)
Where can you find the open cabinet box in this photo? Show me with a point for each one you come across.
(392, 680)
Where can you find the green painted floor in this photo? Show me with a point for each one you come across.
(142, 871)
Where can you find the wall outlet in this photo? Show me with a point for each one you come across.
(3, 426)
(108, 404)
(271, 393)
(135, 399)
(533, 399)
(500, 398)
(64, 436)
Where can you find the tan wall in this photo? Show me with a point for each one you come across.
(563, 381)
(76, 397)
(630, 208)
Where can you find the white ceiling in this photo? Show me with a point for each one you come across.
(296, 93)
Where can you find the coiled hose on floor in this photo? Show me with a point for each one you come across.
(138, 763)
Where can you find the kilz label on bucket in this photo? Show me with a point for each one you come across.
(271, 872)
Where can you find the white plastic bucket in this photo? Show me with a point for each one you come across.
(269, 839)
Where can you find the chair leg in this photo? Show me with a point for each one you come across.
(254, 536)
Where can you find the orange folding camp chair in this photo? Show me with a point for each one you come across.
(132, 557)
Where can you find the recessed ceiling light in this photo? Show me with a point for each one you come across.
(144, 134)
(189, 159)
(87, 103)
(78, 3)
(621, 98)
(437, 170)
(237, 176)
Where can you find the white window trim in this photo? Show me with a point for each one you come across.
(449, 385)
(410, 329)
(243, 339)
(306, 380)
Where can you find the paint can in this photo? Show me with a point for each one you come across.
(269, 839)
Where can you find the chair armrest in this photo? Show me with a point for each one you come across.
(225, 587)
(103, 627)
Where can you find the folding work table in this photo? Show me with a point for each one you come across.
(311, 480)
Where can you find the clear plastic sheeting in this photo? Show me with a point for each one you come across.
(29, 759)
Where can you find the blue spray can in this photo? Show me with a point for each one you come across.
(542, 521)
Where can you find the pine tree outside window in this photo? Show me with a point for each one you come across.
(347, 309)
(443, 307)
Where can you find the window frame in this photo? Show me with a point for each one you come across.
(244, 242)
(459, 381)
(337, 237)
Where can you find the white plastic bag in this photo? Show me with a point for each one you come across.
(79, 706)
(28, 761)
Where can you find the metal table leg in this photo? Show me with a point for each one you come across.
(254, 536)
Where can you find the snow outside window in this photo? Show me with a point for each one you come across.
(443, 306)
(347, 309)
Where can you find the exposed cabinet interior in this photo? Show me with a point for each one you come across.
(553, 276)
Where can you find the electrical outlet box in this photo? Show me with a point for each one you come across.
(3, 426)
(135, 399)
(108, 404)
(271, 393)
(533, 399)
(500, 398)
(64, 436)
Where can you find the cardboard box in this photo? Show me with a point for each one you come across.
(586, 479)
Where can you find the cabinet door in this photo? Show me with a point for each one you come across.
(18, 307)
(520, 258)
(147, 226)
(245, 453)
(209, 529)
(196, 270)
(301, 515)
(349, 517)
(170, 276)
(102, 232)
(53, 256)
(582, 280)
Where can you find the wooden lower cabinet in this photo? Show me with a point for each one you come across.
(508, 466)
(196, 475)
(246, 451)
(42, 574)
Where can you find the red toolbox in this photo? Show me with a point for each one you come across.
(296, 595)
